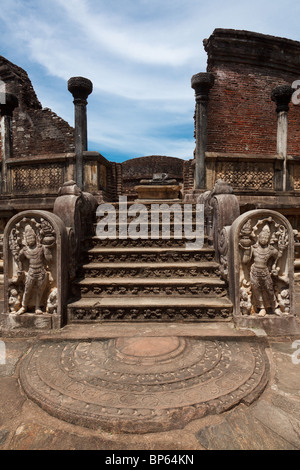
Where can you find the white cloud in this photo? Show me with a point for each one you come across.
(141, 43)
(140, 55)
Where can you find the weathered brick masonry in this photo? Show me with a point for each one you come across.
(36, 130)
(247, 67)
(242, 125)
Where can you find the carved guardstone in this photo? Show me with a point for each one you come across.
(261, 271)
(35, 272)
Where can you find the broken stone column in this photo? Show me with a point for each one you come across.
(10, 102)
(282, 96)
(201, 83)
(80, 88)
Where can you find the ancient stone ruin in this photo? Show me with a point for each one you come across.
(90, 241)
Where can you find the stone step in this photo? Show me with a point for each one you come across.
(147, 254)
(187, 287)
(154, 215)
(152, 308)
(172, 242)
(146, 226)
(149, 203)
(149, 270)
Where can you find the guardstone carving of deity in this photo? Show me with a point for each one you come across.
(262, 248)
(35, 261)
(31, 244)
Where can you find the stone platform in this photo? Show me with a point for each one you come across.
(142, 384)
(270, 422)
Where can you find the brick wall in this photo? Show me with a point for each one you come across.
(40, 132)
(247, 66)
(132, 171)
(36, 130)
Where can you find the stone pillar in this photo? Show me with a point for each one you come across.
(6, 110)
(282, 96)
(80, 88)
(201, 83)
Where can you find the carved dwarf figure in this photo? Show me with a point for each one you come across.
(284, 301)
(52, 302)
(261, 253)
(14, 300)
(37, 277)
(245, 298)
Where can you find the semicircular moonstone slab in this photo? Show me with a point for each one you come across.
(142, 384)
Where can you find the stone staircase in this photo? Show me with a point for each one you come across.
(148, 279)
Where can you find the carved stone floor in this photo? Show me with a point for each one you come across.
(142, 384)
(150, 387)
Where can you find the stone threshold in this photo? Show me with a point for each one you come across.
(104, 330)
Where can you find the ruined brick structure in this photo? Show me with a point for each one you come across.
(247, 67)
(239, 144)
(70, 260)
(36, 130)
(242, 120)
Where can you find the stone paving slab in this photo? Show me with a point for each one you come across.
(32, 436)
(242, 431)
(11, 400)
(279, 422)
(14, 350)
(123, 329)
(289, 404)
(287, 373)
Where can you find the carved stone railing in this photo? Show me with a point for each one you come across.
(38, 175)
(77, 209)
(41, 175)
(35, 272)
(245, 172)
(248, 173)
(221, 208)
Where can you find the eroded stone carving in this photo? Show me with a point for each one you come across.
(252, 175)
(35, 177)
(35, 271)
(52, 301)
(221, 208)
(77, 209)
(261, 271)
(31, 244)
(159, 178)
(262, 248)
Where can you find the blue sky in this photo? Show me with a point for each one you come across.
(140, 56)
